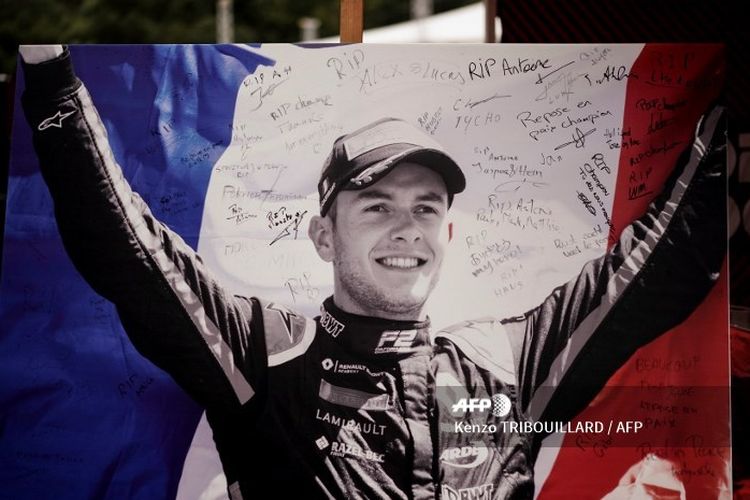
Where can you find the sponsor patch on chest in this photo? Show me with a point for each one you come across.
(465, 457)
(349, 423)
(352, 398)
(481, 492)
(339, 449)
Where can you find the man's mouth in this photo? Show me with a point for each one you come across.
(401, 262)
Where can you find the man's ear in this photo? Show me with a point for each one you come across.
(320, 232)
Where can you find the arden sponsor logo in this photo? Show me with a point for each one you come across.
(396, 341)
(352, 450)
(483, 492)
(500, 404)
(465, 457)
(330, 324)
(344, 423)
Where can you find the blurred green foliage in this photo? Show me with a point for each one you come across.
(175, 21)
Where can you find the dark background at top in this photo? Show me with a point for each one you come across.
(176, 21)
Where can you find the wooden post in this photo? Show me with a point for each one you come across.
(224, 21)
(351, 22)
(490, 11)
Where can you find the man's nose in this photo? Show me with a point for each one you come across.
(405, 229)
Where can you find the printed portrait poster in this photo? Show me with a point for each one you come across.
(588, 224)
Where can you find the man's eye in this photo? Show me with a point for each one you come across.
(426, 209)
(375, 208)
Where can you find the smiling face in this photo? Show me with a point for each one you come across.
(386, 243)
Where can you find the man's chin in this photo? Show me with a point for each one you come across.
(409, 285)
(408, 296)
(404, 303)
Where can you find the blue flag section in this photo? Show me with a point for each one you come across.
(83, 414)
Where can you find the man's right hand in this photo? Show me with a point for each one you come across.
(35, 54)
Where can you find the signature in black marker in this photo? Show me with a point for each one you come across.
(261, 93)
(287, 221)
(513, 186)
(540, 78)
(238, 215)
(579, 139)
(488, 99)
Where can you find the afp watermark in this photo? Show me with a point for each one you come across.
(499, 403)
(551, 427)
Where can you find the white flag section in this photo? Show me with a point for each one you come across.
(519, 225)
(534, 128)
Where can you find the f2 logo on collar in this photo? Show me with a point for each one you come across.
(396, 340)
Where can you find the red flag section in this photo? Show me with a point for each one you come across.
(683, 442)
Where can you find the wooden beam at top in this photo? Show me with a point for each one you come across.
(351, 23)
(490, 11)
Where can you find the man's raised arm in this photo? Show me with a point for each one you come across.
(174, 311)
(659, 271)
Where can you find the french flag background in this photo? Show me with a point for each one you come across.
(201, 130)
(84, 415)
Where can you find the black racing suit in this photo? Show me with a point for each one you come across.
(347, 406)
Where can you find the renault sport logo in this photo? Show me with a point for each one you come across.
(499, 403)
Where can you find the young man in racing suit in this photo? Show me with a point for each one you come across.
(357, 403)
